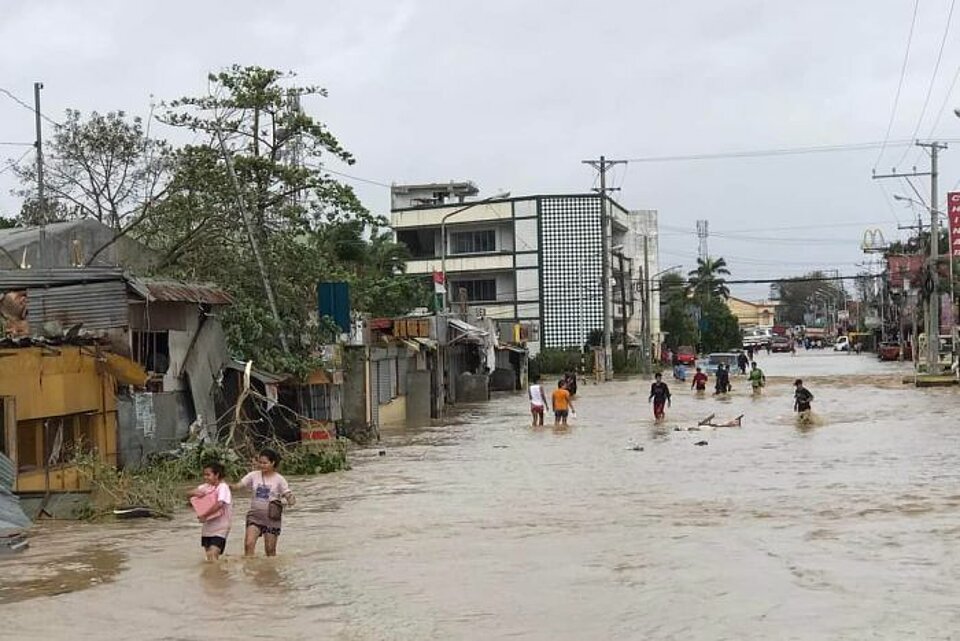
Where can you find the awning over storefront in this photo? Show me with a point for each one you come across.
(513, 348)
(467, 331)
(428, 343)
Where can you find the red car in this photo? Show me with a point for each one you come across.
(889, 351)
(686, 355)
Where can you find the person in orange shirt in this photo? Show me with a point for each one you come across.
(562, 405)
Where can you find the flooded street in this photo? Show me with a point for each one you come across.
(486, 529)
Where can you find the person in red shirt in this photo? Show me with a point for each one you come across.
(699, 381)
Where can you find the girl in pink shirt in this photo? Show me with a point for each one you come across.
(216, 518)
(267, 486)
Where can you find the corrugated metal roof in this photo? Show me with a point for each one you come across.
(98, 305)
(180, 292)
(24, 278)
(7, 473)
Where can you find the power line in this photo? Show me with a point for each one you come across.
(784, 151)
(933, 79)
(352, 177)
(13, 163)
(946, 101)
(903, 73)
(4, 143)
(27, 106)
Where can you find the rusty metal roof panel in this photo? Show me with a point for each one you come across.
(24, 278)
(180, 292)
(98, 305)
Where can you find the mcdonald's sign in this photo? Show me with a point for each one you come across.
(873, 240)
(953, 218)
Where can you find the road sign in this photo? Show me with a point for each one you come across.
(953, 217)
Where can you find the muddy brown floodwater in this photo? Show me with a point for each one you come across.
(485, 529)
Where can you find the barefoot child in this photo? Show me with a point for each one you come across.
(216, 514)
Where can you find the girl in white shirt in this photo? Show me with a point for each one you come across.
(538, 401)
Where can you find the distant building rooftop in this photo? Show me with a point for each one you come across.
(427, 194)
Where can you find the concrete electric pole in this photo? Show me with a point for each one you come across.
(931, 281)
(602, 165)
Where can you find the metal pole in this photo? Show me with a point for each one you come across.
(605, 269)
(41, 197)
(623, 307)
(582, 329)
(933, 320)
(647, 284)
(443, 260)
(254, 244)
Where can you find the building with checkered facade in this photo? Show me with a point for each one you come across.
(533, 260)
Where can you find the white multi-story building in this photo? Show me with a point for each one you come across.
(534, 260)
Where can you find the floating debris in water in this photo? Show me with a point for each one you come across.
(701, 443)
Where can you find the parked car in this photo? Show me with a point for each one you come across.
(713, 360)
(757, 337)
(842, 344)
(686, 355)
(781, 344)
(889, 351)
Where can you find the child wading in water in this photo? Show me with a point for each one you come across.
(266, 504)
(215, 519)
(538, 401)
(660, 395)
(562, 405)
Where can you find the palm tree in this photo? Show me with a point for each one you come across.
(706, 281)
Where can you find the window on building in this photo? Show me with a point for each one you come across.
(473, 242)
(420, 242)
(484, 290)
(152, 350)
(316, 400)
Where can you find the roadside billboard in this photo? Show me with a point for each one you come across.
(953, 217)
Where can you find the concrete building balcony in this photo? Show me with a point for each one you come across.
(462, 263)
(432, 216)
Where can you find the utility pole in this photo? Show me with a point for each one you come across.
(932, 324)
(254, 243)
(623, 305)
(647, 284)
(602, 165)
(41, 202)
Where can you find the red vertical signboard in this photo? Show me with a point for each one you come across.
(953, 217)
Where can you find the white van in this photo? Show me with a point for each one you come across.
(757, 337)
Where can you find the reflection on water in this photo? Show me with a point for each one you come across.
(487, 529)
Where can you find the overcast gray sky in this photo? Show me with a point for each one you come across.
(513, 95)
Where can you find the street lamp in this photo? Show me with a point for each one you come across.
(443, 237)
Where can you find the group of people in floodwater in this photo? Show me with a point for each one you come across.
(213, 502)
(660, 392)
(660, 395)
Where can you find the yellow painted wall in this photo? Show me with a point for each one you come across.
(750, 314)
(55, 382)
(394, 413)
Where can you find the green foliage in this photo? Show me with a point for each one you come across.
(706, 281)
(310, 228)
(626, 363)
(676, 319)
(161, 484)
(796, 297)
(556, 361)
(104, 166)
(719, 329)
